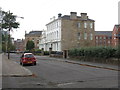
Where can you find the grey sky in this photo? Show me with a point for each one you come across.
(37, 13)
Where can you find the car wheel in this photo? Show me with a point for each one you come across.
(34, 63)
(20, 63)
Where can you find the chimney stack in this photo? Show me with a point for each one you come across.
(73, 15)
(84, 16)
(59, 15)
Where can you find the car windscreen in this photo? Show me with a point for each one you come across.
(29, 56)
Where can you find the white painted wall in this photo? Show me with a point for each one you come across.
(52, 36)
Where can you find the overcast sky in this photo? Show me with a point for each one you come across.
(37, 13)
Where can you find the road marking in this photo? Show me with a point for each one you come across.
(63, 84)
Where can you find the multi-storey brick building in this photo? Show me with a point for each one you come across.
(70, 31)
(108, 38)
(103, 38)
(116, 36)
(34, 36)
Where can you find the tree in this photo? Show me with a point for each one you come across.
(30, 45)
(9, 22)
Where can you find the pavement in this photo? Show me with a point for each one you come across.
(11, 68)
(0, 71)
(95, 65)
(91, 64)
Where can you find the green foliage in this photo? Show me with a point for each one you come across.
(9, 21)
(118, 52)
(30, 45)
(99, 52)
(3, 47)
(46, 52)
(12, 47)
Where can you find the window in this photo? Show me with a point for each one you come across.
(57, 46)
(96, 42)
(78, 24)
(57, 25)
(100, 37)
(85, 35)
(78, 35)
(96, 37)
(57, 34)
(33, 39)
(91, 36)
(85, 25)
(100, 42)
(104, 37)
(108, 42)
(91, 25)
(104, 42)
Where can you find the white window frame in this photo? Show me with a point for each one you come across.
(91, 25)
(78, 24)
(78, 35)
(91, 36)
(85, 24)
(85, 35)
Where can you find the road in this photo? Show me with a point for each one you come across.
(55, 73)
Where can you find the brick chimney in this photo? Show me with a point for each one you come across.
(73, 15)
(84, 16)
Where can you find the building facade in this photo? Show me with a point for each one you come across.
(19, 44)
(42, 41)
(116, 35)
(33, 36)
(69, 31)
(103, 38)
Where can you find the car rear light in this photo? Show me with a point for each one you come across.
(34, 59)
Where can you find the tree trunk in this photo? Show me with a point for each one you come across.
(9, 44)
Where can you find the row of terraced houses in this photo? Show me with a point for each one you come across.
(72, 31)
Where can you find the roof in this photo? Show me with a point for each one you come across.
(27, 53)
(34, 33)
(108, 33)
(67, 17)
(78, 17)
(118, 26)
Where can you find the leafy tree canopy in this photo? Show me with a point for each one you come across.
(9, 20)
(30, 45)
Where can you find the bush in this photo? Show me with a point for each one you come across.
(46, 52)
(38, 51)
(99, 52)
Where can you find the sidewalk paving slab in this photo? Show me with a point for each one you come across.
(11, 68)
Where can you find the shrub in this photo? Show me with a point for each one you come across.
(46, 52)
(99, 52)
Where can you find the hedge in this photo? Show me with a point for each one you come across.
(99, 52)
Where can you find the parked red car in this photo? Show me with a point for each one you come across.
(27, 58)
